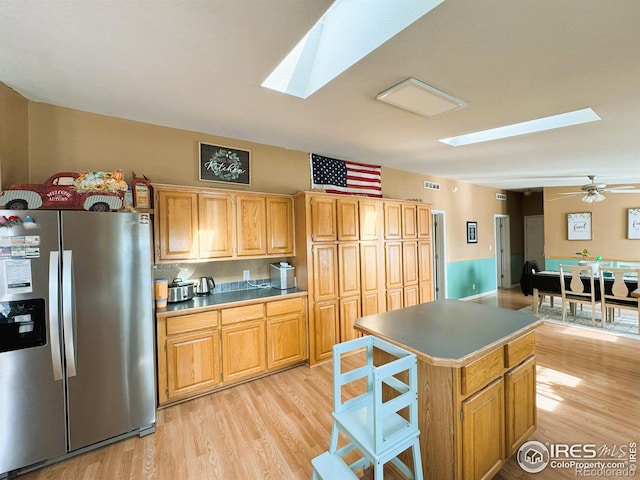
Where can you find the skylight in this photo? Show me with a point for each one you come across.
(568, 119)
(347, 32)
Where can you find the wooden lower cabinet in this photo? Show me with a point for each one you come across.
(349, 311)
(483, 432)
(520, 406)
(193, 363)
(395, 299)
(411, 295)
(243, 350)
(325, 329)
(202, 352)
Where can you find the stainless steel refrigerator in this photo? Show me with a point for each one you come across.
(77, 360)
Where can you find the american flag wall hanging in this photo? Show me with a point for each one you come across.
(341, 176)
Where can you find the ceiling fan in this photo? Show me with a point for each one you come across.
(593, 192)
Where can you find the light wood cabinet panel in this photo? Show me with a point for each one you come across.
(369, 217)
(215, 224)
(409, 263)
(349, 269)
(177, 226)
(423, 216)
(323, 219)
(393, 264)
(251, 225)
(243, 313)
(483, 432)
(191, 322)
(426, 292)
(409, 227)
(326, 329)
(411, 296)
(325, 272)
(395, 299)
(286, 340)
(392, 221)
(243, 350)
(193, 363)
(371, 276)
(425, 265)
(520, 405)
(349, 311)
(372, 303)
(280, 226)
(347, 224)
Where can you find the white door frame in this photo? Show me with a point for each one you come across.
(502, 250)
(439, 254)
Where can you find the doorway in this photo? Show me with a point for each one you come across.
(534, 239)
(439, 255)
(502, 251)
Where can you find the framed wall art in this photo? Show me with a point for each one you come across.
(633, 224)
(225, 164)
(579, 226)
(472, 232)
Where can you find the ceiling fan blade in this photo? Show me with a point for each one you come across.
(566, 195)
(621, 191)
(571, 193)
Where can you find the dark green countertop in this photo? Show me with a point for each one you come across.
(448, 332)
(226, 299)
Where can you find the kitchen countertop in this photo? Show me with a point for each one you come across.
(448, 332)
(226, 299)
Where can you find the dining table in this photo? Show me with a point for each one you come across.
(547, 282)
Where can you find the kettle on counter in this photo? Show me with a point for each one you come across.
(204, 285)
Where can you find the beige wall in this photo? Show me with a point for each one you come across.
(14, 128)
(64, 139)
(609, 225)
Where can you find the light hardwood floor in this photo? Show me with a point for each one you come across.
(588, 391)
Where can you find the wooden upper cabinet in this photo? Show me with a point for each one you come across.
(280, 226)
(348, 226)
(369, 217)
(409, 227)
(423, 215)
(323, 219)
(215, 214)
(177, 225)
(251, 225)
(392, 221)
(409, 263)
(393, 264)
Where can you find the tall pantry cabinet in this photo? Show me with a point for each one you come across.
(340, 261)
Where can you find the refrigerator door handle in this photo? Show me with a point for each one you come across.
(68, 312)
(54, 319)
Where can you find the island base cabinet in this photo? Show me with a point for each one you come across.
(520, 405)
(192, 363)
(482, 432)
(243, 351)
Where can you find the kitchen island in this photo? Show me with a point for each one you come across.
(477, 382)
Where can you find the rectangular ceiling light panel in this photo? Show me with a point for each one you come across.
(568, 119)
(347, 32)
(421, 98)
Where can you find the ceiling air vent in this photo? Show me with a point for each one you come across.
(431, 185)
(501, 196)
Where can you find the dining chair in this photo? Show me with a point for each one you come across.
(618, 293)
(573, 290)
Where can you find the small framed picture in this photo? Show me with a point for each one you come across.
(579, 226)
(472, 232)
(633, 225)
(224, 164)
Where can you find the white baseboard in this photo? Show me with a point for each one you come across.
(479, 295)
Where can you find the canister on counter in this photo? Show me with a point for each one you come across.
(161, 291)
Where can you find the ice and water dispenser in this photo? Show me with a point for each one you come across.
(283, 276)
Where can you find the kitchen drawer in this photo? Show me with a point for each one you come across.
(189, 323)
(519, 349)
(242, 314)
(280, 307)
(482, 371)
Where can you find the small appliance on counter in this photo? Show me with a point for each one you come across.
(180, 291)
(205, 286)
(283, 276)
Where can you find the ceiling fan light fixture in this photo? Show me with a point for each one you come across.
(593, 197)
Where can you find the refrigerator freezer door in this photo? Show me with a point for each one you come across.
(32, 407)
(113, 390)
